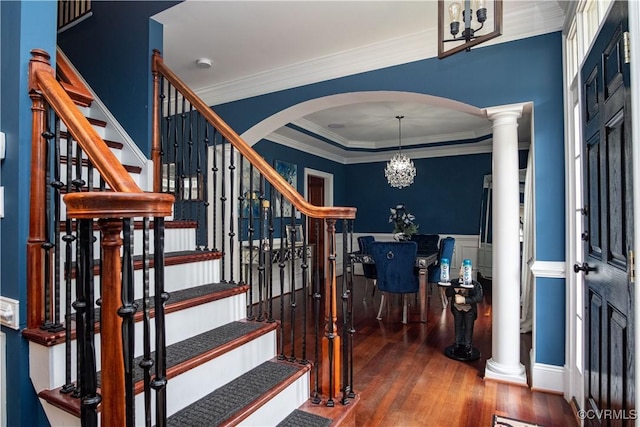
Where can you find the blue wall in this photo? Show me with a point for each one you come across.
(550, 315)
(123, 38)
(25, 26)
(508, 73)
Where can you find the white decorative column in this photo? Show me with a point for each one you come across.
(504, 364)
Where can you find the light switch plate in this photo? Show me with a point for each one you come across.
(10, 312)
(2, 145)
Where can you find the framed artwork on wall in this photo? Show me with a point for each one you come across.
(289, 172)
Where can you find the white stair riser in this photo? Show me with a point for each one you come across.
(48, 371)
(202, 380)
(176, 277)
(175, 240)
(277, 408)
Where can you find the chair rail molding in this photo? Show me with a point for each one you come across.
(549, 269)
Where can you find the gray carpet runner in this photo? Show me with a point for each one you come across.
(184, 350)
(223, 403)
(300, 418)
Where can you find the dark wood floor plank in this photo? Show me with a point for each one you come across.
(404, 378)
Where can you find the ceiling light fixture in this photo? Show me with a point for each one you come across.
(400, 170)
(489, 24)
(203, 63)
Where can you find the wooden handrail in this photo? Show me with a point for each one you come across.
(42, 79)
(270, 174)
(70, 81)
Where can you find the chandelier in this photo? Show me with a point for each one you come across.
(488, 24)
(400, 170)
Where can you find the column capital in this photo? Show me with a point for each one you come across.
(504, 111)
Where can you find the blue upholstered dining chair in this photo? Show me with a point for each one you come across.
(369, 270)
(395, 267)
(427, 243)
(445, 250)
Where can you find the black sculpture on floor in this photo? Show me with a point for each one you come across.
(464, 306)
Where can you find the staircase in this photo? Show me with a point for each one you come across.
(213, 362)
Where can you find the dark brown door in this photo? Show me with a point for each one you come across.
(608, 216)
(315, 191)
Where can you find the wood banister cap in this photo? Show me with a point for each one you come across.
(118, 205)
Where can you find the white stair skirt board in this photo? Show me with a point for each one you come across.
(198, 382)
(546, 377)
(57, 417)
(277, 408)
(47, 363)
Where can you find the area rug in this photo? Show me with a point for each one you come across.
(500, 421)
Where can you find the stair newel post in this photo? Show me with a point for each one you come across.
(85, 320)
(158, 99)
(159, 383)
(331, 340)
(37, 236)
(112, 385)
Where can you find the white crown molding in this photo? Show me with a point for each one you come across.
(317, 151)
(372, 57)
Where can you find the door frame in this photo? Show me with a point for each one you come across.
(328, 198)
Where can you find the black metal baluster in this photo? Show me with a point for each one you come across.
(305, 289)
(77, 183)
(205, 186)
(57, 186)
(250, 237)
(147, 362)
(316, 315)
(242, 202)
(200, 196)
(352, 330)
(84, 326)
(182, 195)
(264, 252)
(159, 383)
(331, 227)
(270, 317)
(345, 318)
(281, 266)
(126, 312)
(223, 203)
(47, 245)
(232, 211)
(214, 169)
(291, 250)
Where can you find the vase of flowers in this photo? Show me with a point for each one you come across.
(402, 220)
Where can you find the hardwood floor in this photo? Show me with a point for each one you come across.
(404, 379)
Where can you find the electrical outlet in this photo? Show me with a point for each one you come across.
(2, 145)
(10, 312)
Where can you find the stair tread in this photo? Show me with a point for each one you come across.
(299, 418)
(203, 343)
(223, 403)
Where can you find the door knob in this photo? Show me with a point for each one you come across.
(584, 267)
(585, 236)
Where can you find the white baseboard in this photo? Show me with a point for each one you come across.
(546, 377)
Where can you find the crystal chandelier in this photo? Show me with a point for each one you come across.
(400, 170)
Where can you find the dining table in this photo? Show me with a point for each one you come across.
(423, 261)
